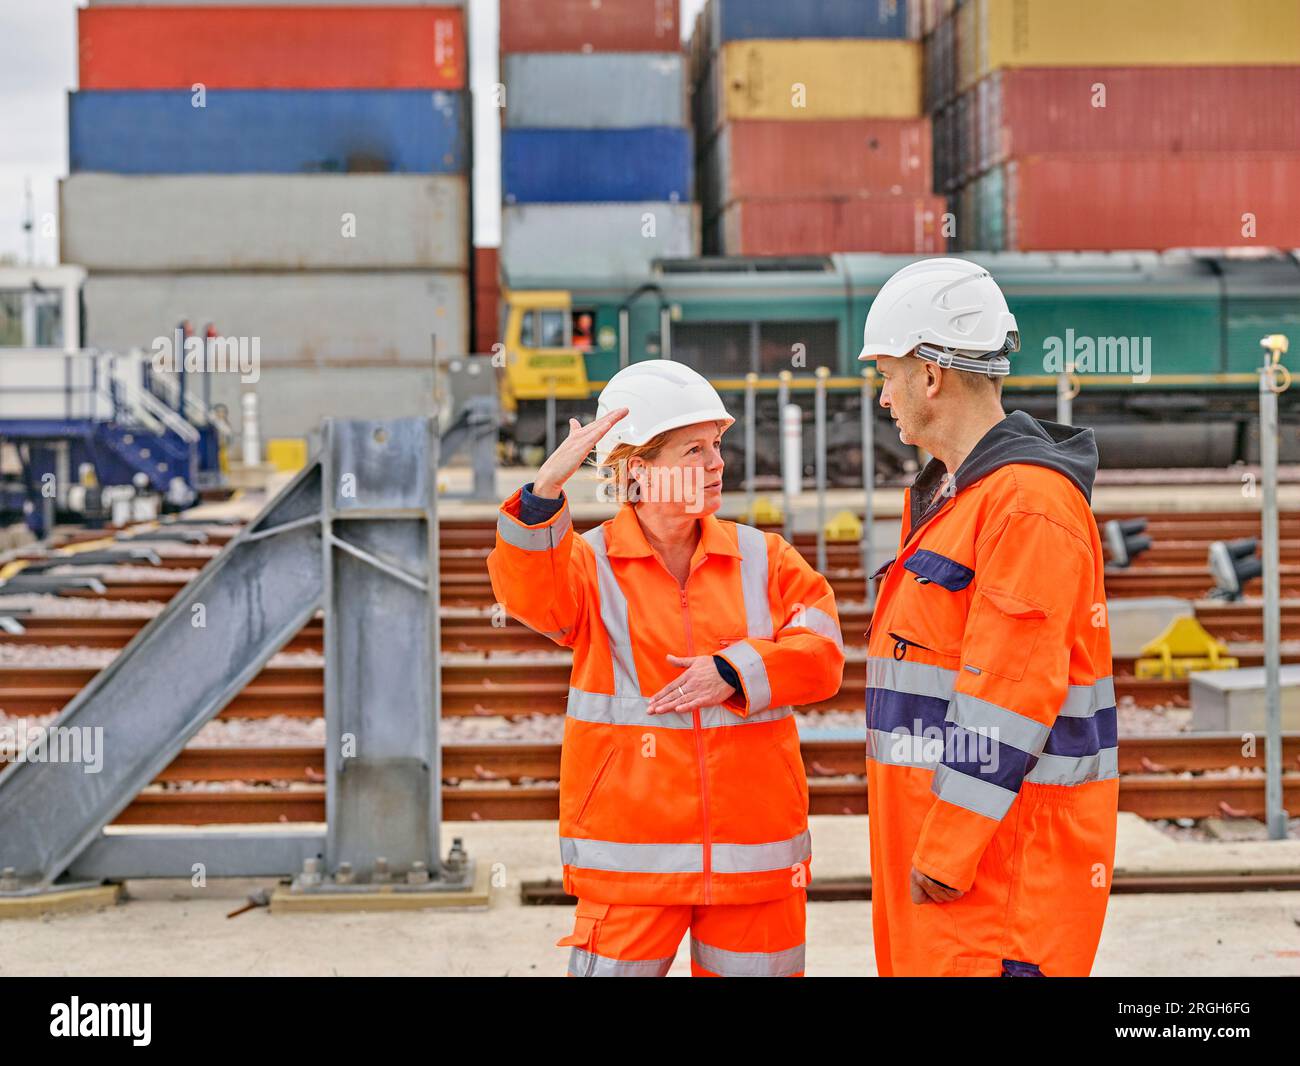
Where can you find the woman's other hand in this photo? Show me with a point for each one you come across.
(562, 463)
(699, 686)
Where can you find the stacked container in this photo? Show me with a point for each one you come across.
(1099, 125)
(810, 129)
(596, 157)
(293, 174)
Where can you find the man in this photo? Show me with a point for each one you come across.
(992, 766)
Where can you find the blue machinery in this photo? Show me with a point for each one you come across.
(69, 412)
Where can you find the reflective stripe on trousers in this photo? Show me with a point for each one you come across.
(617, 857)
(747, 963)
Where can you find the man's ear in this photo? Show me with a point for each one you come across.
(933, 378)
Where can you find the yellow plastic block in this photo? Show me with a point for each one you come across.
(845, 526)
(287, 454)
(1185, 645)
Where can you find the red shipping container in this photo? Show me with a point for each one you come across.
(590, 26)
(272, 48)
(1147, 109)
(836, 157)
(834, 224)
(1132, 201)
(487, 299)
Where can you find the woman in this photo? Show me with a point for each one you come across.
(683, 802)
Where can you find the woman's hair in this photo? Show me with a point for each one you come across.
(615, 482)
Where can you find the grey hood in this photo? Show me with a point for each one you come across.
(1018, 438)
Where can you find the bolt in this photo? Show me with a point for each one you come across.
(457, 857)
(311, 874)
(418, 874)
(344, 874)
(8, 880)
(381, 875)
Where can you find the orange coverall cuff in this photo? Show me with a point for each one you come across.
(945, 875)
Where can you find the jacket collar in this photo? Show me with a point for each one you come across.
(624, 536)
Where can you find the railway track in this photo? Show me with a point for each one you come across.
(1179, 776)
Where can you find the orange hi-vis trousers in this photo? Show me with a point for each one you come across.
(727, 939)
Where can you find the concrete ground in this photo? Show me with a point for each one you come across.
(169, 928)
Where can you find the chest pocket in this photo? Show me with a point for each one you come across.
(932, 605)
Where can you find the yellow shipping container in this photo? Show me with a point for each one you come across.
(1136, 33)
(820, 79)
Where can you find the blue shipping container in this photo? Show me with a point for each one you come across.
(738, 20)
(585, 166)
(268, 132)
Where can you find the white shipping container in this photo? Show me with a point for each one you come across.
(609, 90)
(112, 222)
(306, 319)
(292, 401)
(541, 241)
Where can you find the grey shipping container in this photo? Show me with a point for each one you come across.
(540, 241)
(111, 222)
(312, 319)
(610, 90)
(292, 400)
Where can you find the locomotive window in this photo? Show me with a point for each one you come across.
(544, 329)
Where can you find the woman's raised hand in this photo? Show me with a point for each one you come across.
(562, 463)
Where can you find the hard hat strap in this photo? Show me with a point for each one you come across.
(992, 364)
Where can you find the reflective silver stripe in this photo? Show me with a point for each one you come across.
(747, 963)
(819, 622)
(749, 665)
(534, 539)
(998, 723)
(584, 963)
(962, 790)
(631, 711)
(760, 858)
(904, 749)
(632, 858)
(1083, 701)
(753, 580)
(613, 616)
(684, 858)
(915, 679)
(1067, 770)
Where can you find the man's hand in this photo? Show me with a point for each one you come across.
(699, 686)
(927, 890)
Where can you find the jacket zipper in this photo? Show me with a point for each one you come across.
(698, 730)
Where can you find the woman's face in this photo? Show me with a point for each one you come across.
(685, 478)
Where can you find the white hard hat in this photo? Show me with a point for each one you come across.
(949, 311)
(660, 394)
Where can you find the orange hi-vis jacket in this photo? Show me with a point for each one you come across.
(991, 726)
(704, 807)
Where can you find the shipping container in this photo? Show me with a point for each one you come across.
(110, 222)
(812, 80)
(540, 241)
(569, 166)
(584, 26)
(487, 299)
(739, 20)
(237, 131)
(836, 157)
(1132, 201)
(614, 90)
(827, 225)
(310, 318)
(1150, 109)
(292, 401)
(272, 48)
(1121, 33)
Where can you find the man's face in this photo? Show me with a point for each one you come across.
(903, 396)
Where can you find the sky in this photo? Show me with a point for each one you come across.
(38, 65)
